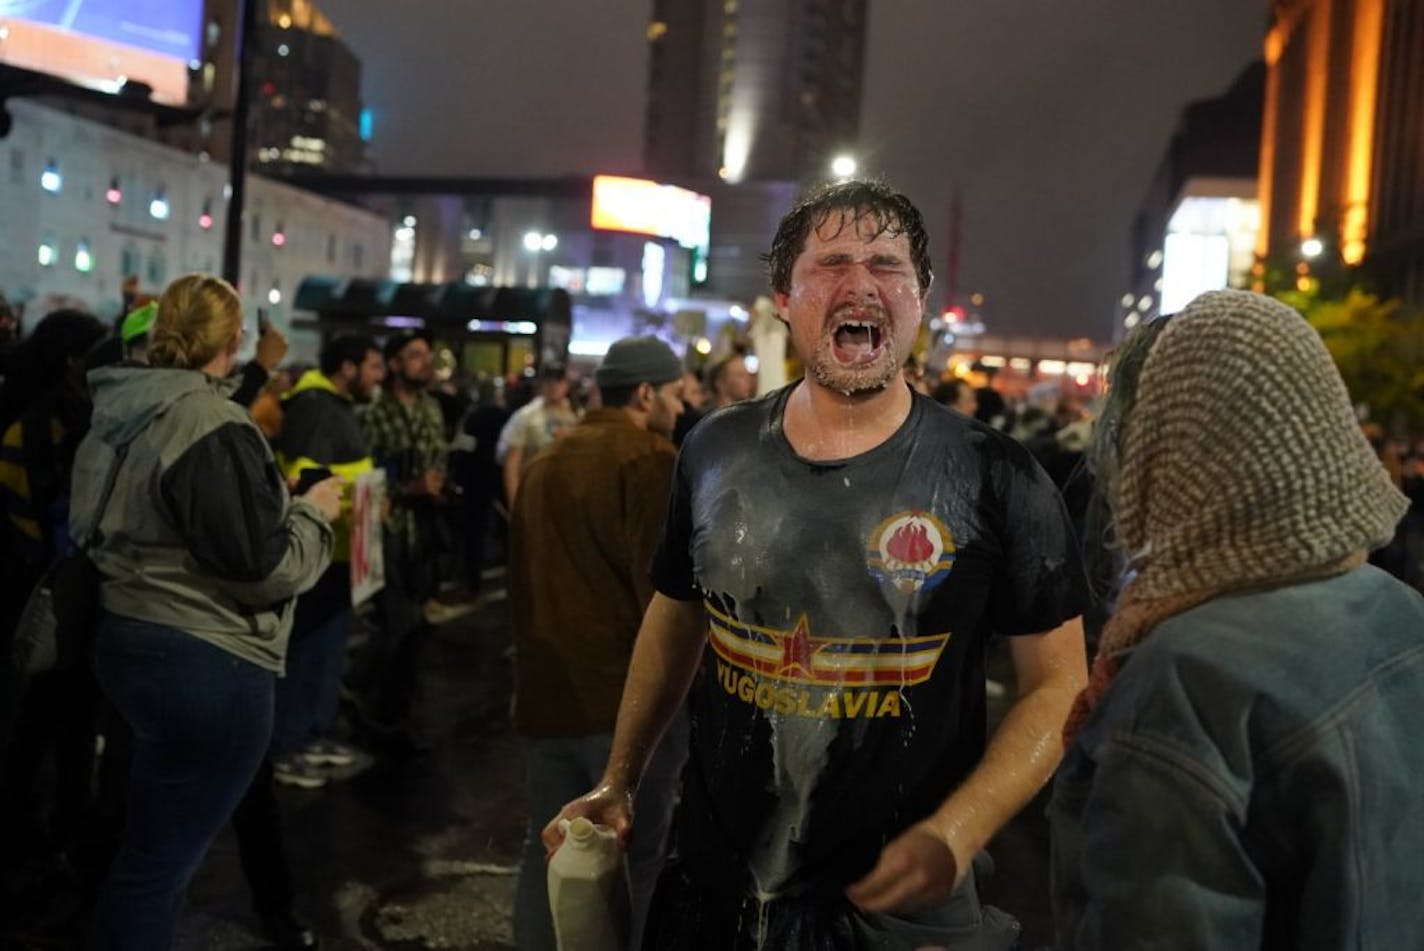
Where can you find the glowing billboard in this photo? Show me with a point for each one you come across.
(640, 206)
(103, 43)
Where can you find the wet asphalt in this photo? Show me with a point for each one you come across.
(418, 850)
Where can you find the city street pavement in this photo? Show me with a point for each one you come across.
(419, 851)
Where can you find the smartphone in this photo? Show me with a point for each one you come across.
(310, 477)
(263, 321)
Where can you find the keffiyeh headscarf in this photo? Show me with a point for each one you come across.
(1235, 462)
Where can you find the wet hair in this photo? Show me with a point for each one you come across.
(42, 360)
(873, 204)
(346, 348)
(198, 317)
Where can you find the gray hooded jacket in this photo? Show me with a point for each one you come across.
(199, 533)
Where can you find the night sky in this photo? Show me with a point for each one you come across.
(1049, 115)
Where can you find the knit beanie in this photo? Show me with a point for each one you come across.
(634, 360)
(1241, 465)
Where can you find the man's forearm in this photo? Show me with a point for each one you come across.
(1020, 759)
(665, 658)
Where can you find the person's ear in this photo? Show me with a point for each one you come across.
(646, 394)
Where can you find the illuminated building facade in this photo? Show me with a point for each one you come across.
(752, 90)
(1342, 156)
(90, 208)
(307, 109)
(1196, 229)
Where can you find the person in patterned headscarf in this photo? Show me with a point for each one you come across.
(1240, 765)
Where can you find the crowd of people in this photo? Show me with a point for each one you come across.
(751, 632)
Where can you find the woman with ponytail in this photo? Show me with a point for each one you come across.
(201, 554)
(1242, 767)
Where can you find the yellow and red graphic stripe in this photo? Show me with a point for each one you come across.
(796, 657)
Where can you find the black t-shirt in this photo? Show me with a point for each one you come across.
(849, 604)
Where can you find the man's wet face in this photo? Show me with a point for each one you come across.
(855, 305)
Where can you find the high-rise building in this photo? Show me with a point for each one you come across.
(1342, 151)
(306, 109)
(1197, 225)
(307, 101)
(752, 90)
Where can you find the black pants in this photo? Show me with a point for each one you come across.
(55, 720)
(384, 676)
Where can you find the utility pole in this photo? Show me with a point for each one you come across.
(243, 43)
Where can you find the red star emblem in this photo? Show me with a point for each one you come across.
(797, 649)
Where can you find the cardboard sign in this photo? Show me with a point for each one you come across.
(368, 566)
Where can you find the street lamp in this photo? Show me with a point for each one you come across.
(843, 166)
(1312, 247)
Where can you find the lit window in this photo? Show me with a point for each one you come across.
(657, 30)
(83, 257)
(50, 179)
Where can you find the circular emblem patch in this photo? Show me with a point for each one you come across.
(911, 550)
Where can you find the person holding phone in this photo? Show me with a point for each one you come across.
(200, 553)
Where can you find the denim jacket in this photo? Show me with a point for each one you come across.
(1254, 779)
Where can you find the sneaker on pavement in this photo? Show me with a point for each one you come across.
(296, 771)
(330, 753)
(437, 613)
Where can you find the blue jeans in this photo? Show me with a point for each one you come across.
(201, 721)
(308, 696)
(559, 770)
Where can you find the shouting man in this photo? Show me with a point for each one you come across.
(837, 557)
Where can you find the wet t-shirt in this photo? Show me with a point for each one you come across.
(841, 696)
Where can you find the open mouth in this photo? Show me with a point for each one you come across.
(857, 342)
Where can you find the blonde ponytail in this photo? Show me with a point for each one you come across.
(198, 317)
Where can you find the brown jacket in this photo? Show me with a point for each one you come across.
(587, 518)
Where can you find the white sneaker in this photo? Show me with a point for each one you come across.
(330, 753)
(296, 771)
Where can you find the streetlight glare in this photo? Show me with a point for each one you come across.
(1312, 247)
(533, 240)
(550, 242)
(843, 166)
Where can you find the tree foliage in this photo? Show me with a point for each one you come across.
(1378, 346)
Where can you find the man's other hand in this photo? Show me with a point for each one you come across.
(916, 870)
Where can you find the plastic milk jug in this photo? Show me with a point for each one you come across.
(587, 894)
